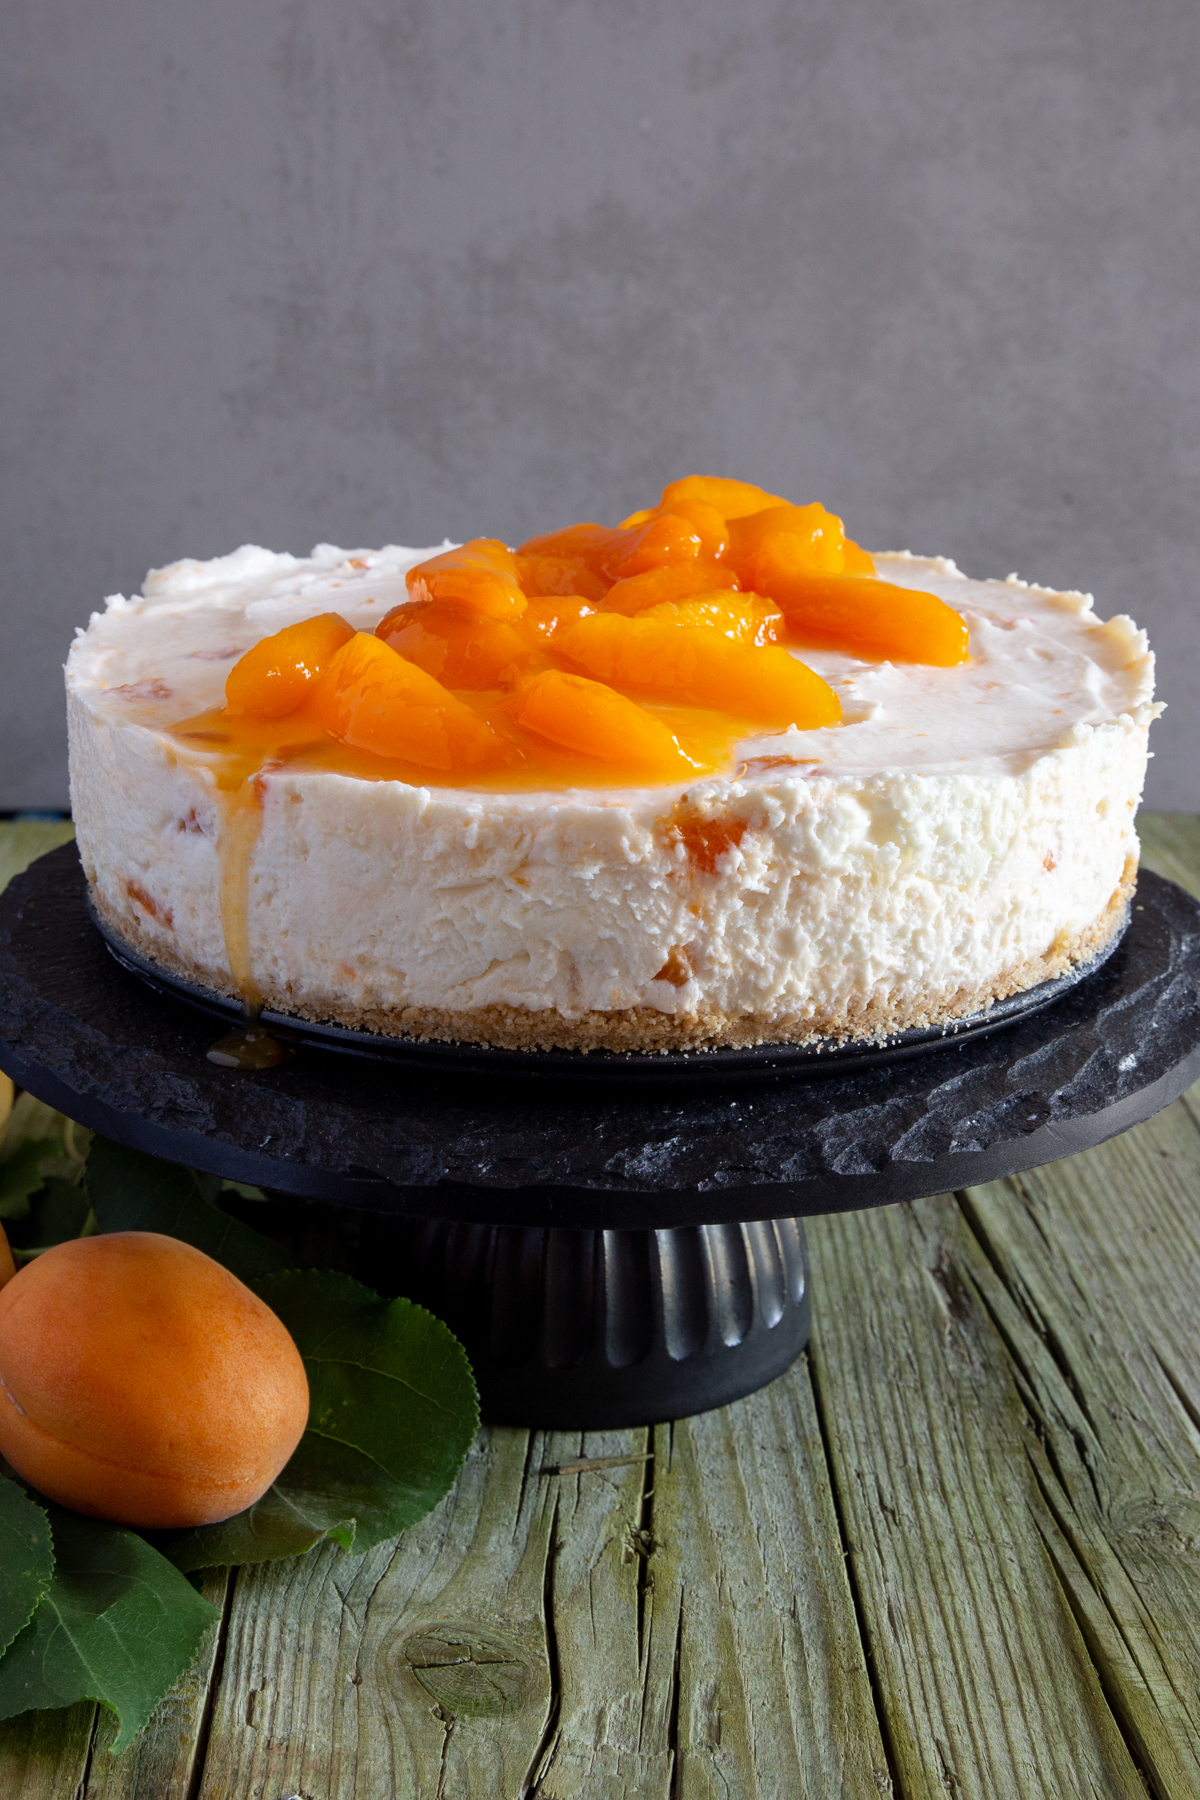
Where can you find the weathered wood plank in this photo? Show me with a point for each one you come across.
(698, 1616)
(614, 1641)
(421, 1668)
(45, 1755)
(1089, 1267)
(984, 1676)
(775, 1697)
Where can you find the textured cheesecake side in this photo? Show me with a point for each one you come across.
(736, 914)
(791, 902)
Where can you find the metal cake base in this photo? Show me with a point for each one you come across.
(610, 1253)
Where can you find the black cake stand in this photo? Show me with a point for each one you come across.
(611, 1250)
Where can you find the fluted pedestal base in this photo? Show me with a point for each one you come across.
(588, 1329)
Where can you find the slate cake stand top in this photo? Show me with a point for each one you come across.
(89, 1038)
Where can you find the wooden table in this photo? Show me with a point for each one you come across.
(955, 1552)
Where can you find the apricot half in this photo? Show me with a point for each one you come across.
(143, 1383)
(673, 658)
(480, 575)
(594, 720)
(273, 678)
(372, 698)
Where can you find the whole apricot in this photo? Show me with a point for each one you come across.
(141, 1382)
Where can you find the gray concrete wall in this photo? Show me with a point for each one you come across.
(388, 269)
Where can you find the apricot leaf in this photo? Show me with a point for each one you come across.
(118, 1624)
(26, 1559)
(131, 1191)
(21, 1175)
(393, 1411)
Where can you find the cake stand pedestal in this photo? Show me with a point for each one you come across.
(610, 1254)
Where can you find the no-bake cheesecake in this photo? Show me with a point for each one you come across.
(712, 777)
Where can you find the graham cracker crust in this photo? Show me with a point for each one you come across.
(644, 1028)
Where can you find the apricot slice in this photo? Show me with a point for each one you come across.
(709, 524)
(696, 665)
(273, 678)
(480, 575)
(587, 543)
(374, 699)
(542, 576)
(8, 1266)
(661, 539)
(747, 617)
(860, 613)
(459, 648)
(594, 720)
(637, 592)
(732, 499)
(820, 541)
(143, 1383)
(546, 616)
(858, 560)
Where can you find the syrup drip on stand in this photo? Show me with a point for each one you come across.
(250, 1047)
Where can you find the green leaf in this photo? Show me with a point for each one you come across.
(57, 1211)
(393, 1413)
(130, 1191)
(32, 1118)
(118, 1624)
(243, 1189)
(21, 1175)
(26, 1559)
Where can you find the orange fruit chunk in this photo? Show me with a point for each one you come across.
(587, 543)
(637, 592)
(545, 616)
(594, 720)
(858, 560)
(663, 540)
(820, 541)
(481, 575)
(144, 1383)
(546, 575)
(273, 678)
(373, 699)
(693, 664)
(747, 617)
(732, 499)
(457, 647)
(660, 539)
(860, 613)
(709, 524)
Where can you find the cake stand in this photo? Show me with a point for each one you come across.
(612, 1251)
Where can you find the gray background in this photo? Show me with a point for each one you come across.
(371, 270)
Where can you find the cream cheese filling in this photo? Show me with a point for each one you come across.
(959, 825)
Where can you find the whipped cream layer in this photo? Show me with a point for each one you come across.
(963, 833)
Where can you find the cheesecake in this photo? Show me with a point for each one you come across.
(695, 781)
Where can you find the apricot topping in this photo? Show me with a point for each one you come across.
(143, 1383)
(374, 699)
(700, 601)
(273, 678)
(675, 659)
(481, 576)
(594, 720)
(458, 649)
